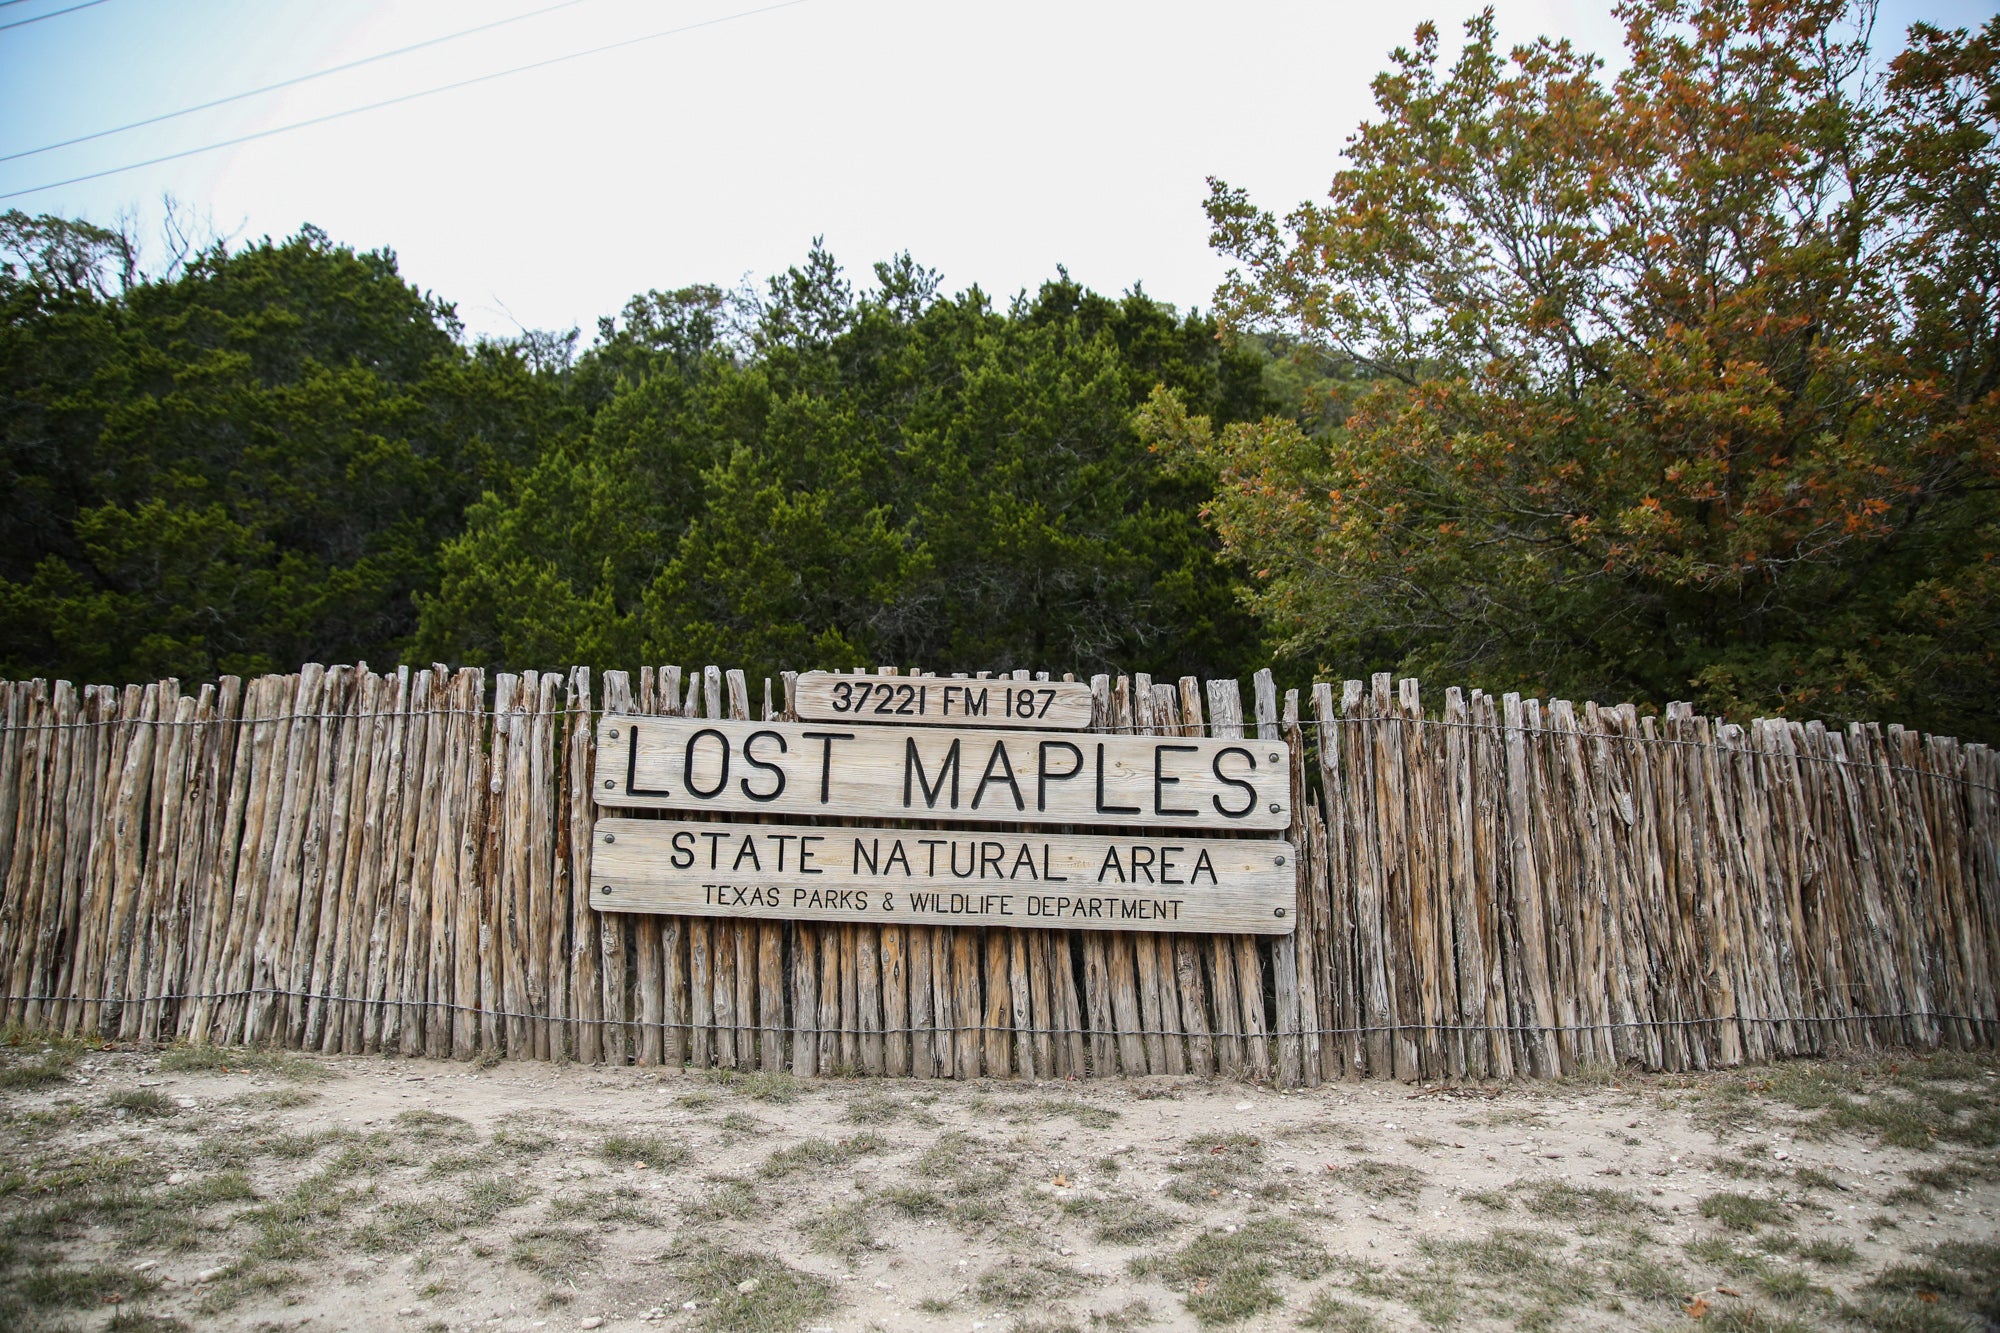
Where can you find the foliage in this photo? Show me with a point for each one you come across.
(1685, 382)
(242, 468)
(838, 480)
(286, 453)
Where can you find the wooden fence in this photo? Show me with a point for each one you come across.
(340, 860)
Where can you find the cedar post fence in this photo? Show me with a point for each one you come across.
(340, 860)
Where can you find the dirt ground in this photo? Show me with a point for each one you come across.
(227, 1189)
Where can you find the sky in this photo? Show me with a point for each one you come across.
(992, 142)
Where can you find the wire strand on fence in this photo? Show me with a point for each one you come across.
(1528, 1029)
(1204, 727)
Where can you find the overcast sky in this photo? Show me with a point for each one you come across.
(994, 141)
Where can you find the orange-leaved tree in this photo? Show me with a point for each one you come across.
(1683, 383)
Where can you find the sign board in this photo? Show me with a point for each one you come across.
(878, 772)
(822, 696)
(886, 876)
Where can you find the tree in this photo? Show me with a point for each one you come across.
(826, 477)
(245, 466)
(1678, 383)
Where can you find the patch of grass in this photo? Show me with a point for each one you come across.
(1559, 1199)
(554, 1254)
(131, 1321)
(244, 1279)
(1121, 1220)
(1526, 1277)
(74, 1286)
(1730, 1107)
(730, 1200)
(914, 1202)
(1020, 1283)
(1644, 1277)
(1734, 1317)
(458, 1163)
(436, 1125)
(1717, 1253)
(1087, 1114)
(809, 1153)
(520, 1137)
(841, 1229)
(620, 1204)
(1226, 1276)
(1829, 1253)
(1787, 1284)
(881, 1108)
(1493, 1201)
(143, 1102)
(408, 1224)
(1741, 1168)
(1742, 1212)
(203, 1059)
(641, 1149)
(1208, 1165)
(277, 1099)
(1383, 1180)
(780, 1299)
(759, 1085)
(1132, 1314)
(1959, 1280)
(43, 1071)
(1334, 1315)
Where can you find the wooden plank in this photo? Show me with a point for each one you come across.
(825, 696)
(545, 990)
(791, 769)
(744, 942)
(701, 994)
(919, 943)
(471, 816)
(849, 997)
(966, 1003)
(895, 1001)
(805, 998)
(573, 841)
(514, 921)
(382, 849)
(868, 996)
(43, 756)
(881, 875)
(332, 900)
(829, 1058)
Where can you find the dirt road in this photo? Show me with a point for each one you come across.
(201, 1188)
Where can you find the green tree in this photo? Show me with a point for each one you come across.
(830, 478)
(1676, 384)
(249, 465)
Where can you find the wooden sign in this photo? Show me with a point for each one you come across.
(822, 696)
(933, 877)
(781, 768)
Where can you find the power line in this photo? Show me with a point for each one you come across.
(395, 101)
(284, 83)
(52, 14)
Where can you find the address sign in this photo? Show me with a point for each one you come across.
(823, 696)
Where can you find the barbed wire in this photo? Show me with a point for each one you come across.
(1032, 1030)
(1208, 729)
